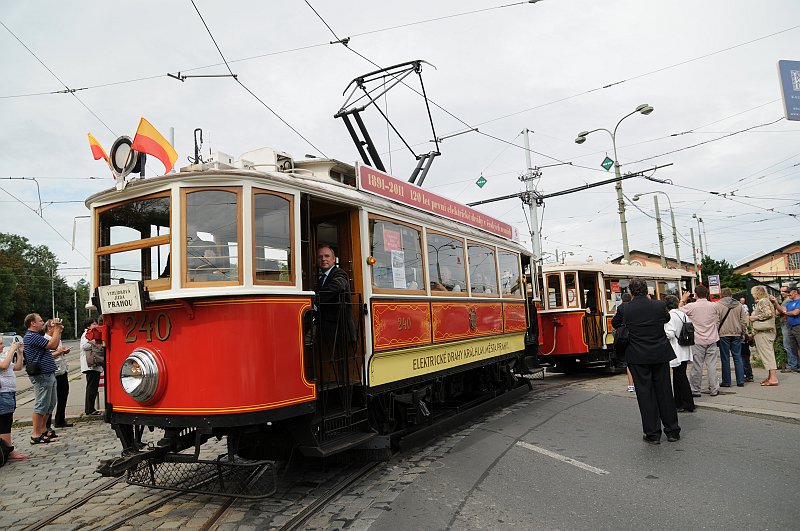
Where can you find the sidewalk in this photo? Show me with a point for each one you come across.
(780, 403)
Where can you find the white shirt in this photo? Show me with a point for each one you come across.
(672, 329)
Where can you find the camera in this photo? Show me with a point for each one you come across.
(691, 298)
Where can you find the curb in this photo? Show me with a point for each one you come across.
(83, 419)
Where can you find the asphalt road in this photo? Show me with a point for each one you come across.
(576, 460)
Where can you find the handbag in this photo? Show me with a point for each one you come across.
(764, 326)
(32, 367)
(622, 337)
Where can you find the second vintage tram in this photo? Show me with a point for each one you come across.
(580, 299)
(206, 281)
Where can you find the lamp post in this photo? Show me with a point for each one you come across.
(674, 227)
(643, 109)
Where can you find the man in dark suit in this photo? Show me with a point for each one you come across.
(648, 355)
(336, 321)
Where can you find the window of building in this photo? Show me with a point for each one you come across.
(482, 269)
(554, 299)
(446, 264)
(398, 256)
(510, 278)
(793, 261)
(213, 233)
(133, 242)
(272, 237)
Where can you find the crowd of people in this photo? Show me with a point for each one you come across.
(721, 331)
(45, 359)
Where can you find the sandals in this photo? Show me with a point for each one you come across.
(767, 383)
(50, 434)
(41, 439)
(18, 457)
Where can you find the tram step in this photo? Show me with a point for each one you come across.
(338, 444)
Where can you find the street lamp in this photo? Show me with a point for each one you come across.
(658, 218)
(642, 109)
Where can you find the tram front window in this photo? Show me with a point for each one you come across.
(273, 238)
(212, 236)
(133, 242)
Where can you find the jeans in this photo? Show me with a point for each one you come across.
(791, 353)
(748, 369)
(731, 345)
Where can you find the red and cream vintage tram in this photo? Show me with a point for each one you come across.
(206, 278)
(580, 299)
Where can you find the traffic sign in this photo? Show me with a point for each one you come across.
(713, 284)
(789, 72)
(480, 182)
(607, 163)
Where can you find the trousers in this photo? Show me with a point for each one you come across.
(731, 346)
(654, 395)
(704, 356)
(92, 383)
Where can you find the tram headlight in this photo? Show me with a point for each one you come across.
(141, 374)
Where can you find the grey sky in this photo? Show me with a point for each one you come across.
(527, 61)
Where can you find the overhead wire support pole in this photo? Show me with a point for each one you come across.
(531, 198)
(660, 233)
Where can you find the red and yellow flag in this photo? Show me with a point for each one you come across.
(149, 140)
(97, 150)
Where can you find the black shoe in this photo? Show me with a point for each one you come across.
(696, 395)
(67, 425)
(740, 385)
(673, 438)
(685, 410)
(724, 385)
(654, 442)
(748, 379)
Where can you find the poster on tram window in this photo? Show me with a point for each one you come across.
(391, 240)
(398, 270)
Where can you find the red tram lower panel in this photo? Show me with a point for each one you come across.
(213, 363)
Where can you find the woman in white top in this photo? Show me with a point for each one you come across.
(681, 390)
(8, 392)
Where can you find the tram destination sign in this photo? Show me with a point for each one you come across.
(120, 298)
(379, 183)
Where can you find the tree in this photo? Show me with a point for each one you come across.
(27, 280)
(727, 278)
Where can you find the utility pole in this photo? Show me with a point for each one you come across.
(694, 257)
(531, 198)
(675, 235)
(660, 234)
(699, 235)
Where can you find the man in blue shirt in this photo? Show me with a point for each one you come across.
(44, 383)
(792, 312)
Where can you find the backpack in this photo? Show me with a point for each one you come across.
(686, 335)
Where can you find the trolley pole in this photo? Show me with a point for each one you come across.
(531, 198)
(660, 234)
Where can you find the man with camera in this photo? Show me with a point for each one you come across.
(41, 368)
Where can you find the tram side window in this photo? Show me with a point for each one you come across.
(133, 243)
(510, 279)
(615, 288)
(554, 299)
(272, 236)
(398, 254)
(446, 264)
(482, 269)
(212, 236)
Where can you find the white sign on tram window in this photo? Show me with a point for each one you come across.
(119, 298)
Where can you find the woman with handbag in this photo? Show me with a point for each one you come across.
(763, 320)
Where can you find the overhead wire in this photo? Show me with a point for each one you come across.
(236, 78)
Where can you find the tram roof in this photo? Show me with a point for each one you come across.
(618, 270)
(313, 177)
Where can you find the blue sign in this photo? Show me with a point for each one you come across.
(789, 72)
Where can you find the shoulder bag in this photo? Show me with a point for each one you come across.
(766, 325)
(622, 337)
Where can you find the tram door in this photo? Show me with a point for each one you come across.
(335, 225)
(590, 300)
